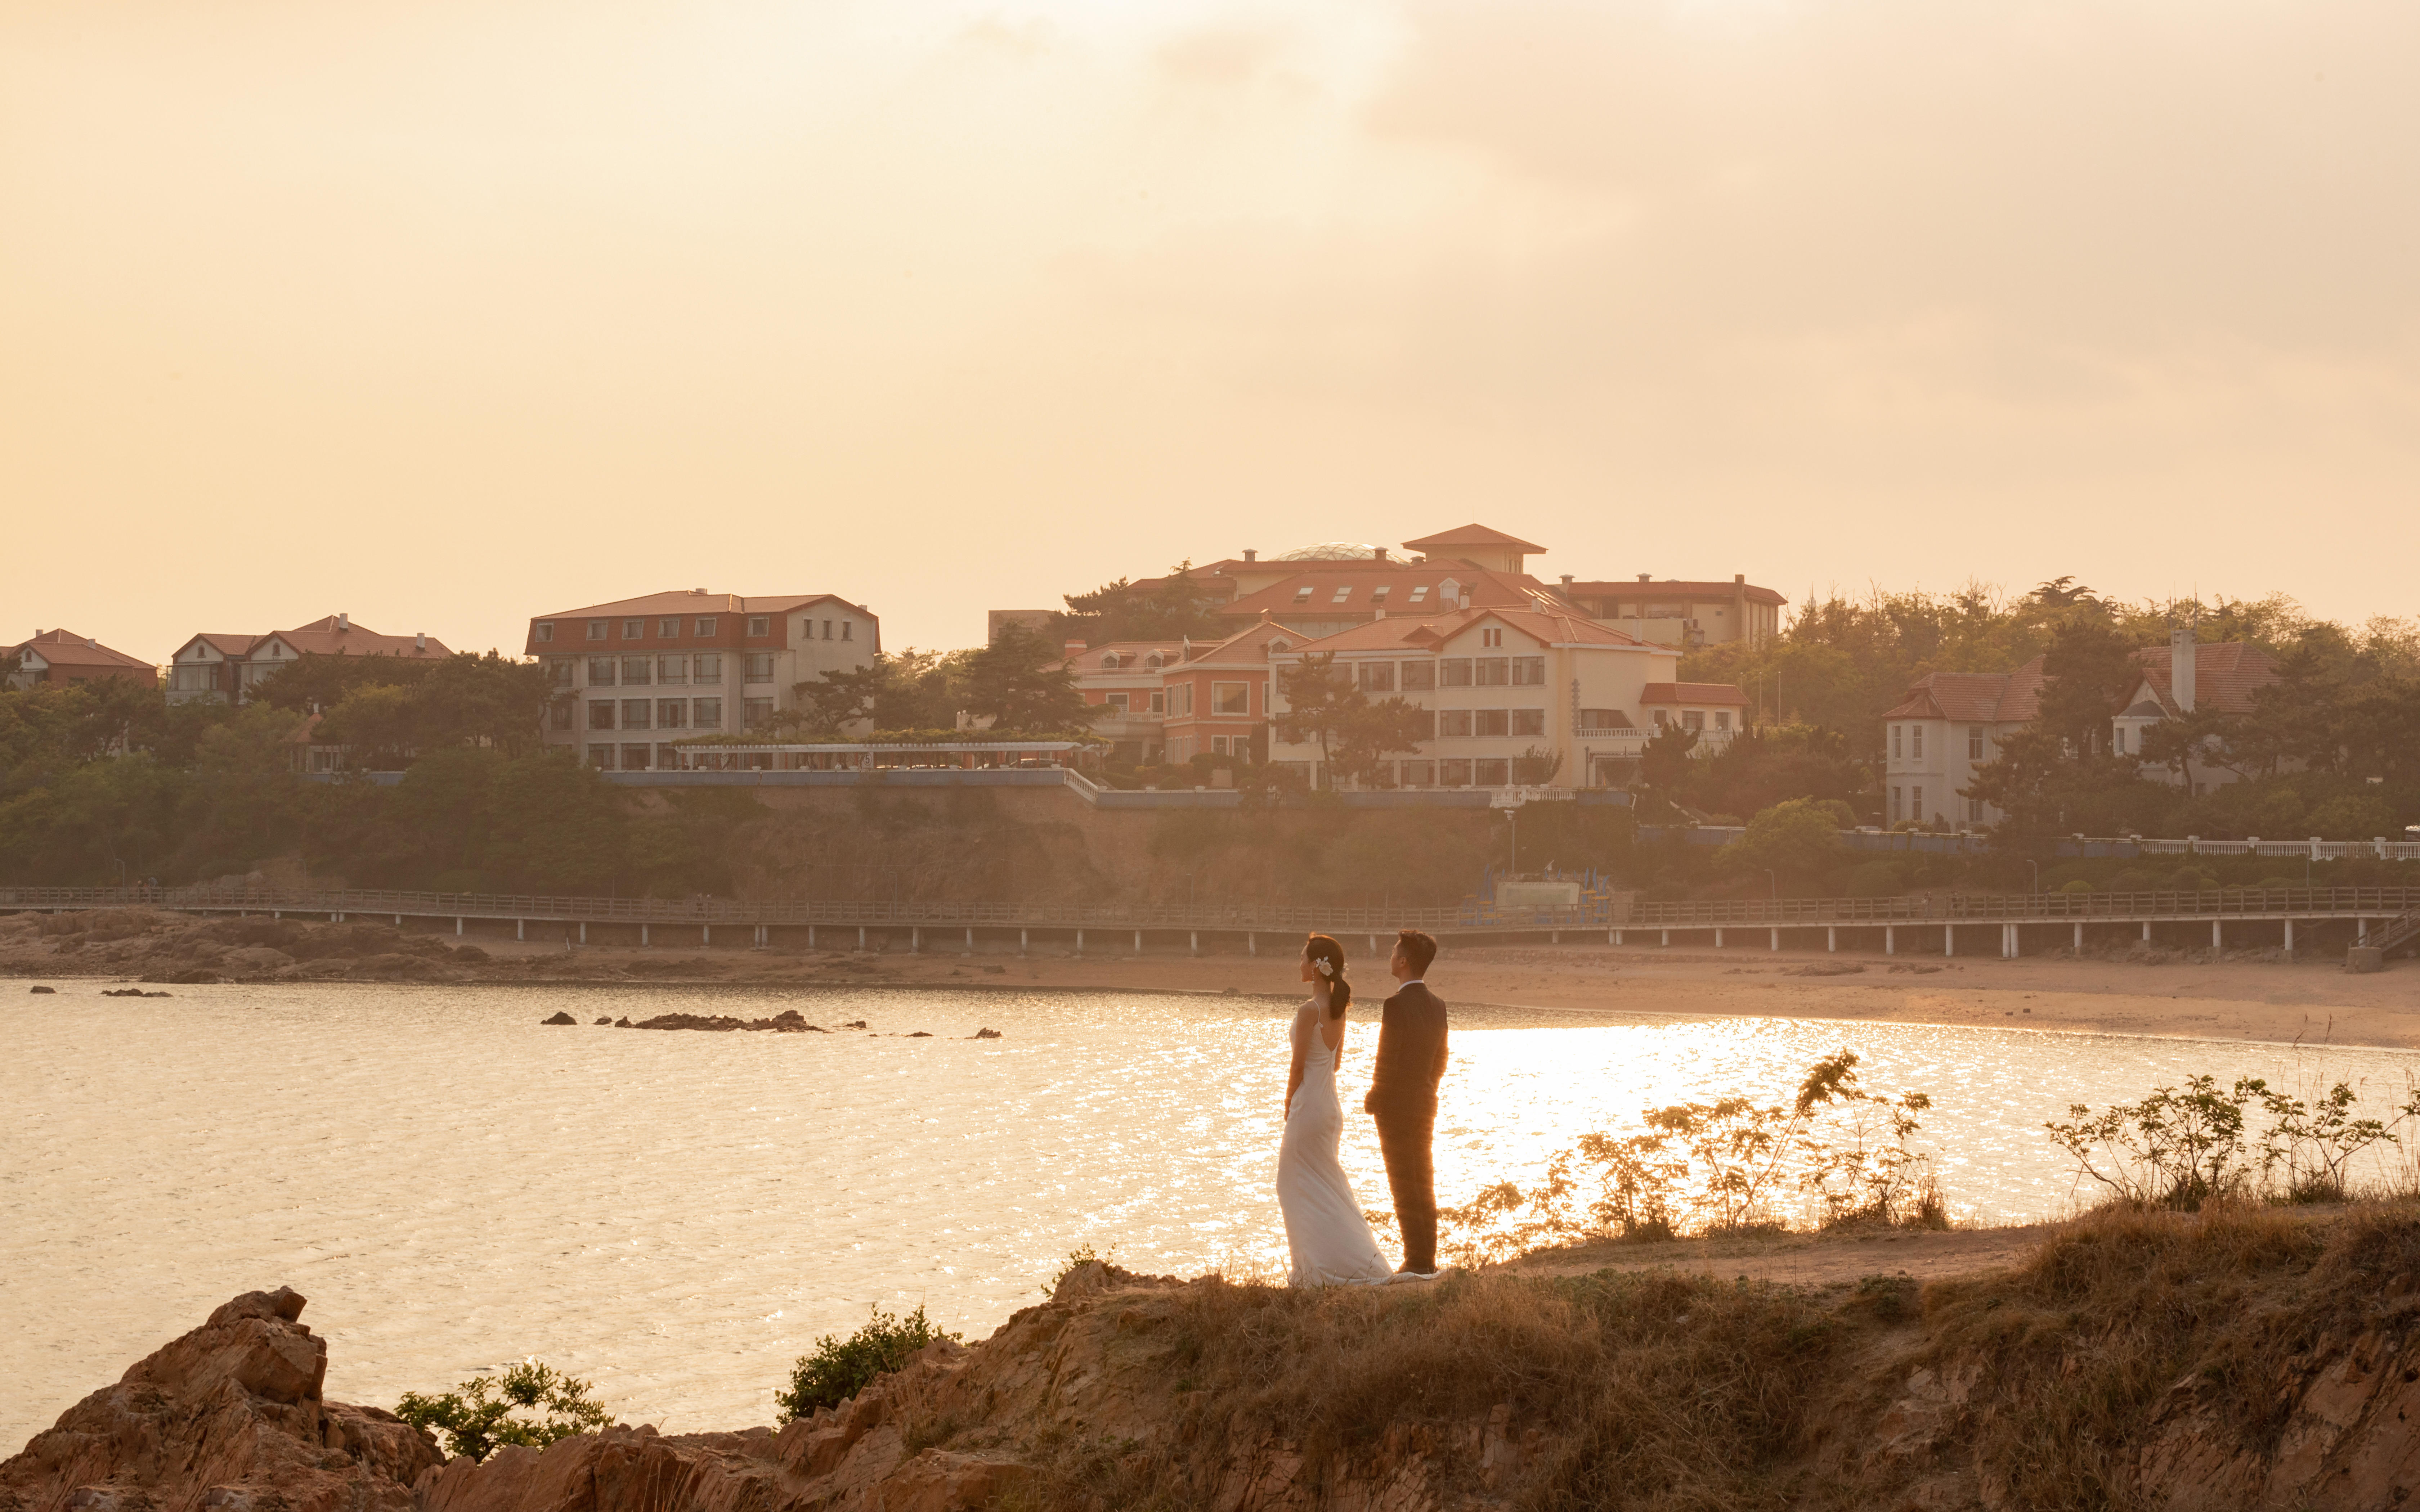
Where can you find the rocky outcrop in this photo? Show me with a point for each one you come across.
(228, 1416)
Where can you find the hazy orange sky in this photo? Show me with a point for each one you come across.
(446, 314)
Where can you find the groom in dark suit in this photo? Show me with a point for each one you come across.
(1402, 1096)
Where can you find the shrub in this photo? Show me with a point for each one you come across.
(2079, 885)
(476, 1417)
(840, 1369)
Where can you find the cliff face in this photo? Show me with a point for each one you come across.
(2237, 1361)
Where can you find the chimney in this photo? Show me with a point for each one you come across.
(1381, 551)
(1075, 648)
(1567, 582)
(1740, 577)
(344, 622)
(1252, 555)
(420, 642)
(2180, 661)
(1645, 579)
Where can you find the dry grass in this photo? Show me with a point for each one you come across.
(1664, 1391)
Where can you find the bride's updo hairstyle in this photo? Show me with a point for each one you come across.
(1323, 951)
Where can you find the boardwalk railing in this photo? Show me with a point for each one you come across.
(1601, 912)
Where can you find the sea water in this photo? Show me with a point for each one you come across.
(678, 1217)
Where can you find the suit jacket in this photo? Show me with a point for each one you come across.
(1411, 1055)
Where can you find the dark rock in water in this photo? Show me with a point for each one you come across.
(995, 971)
(621, 1023)
(789, 1021)
(230, 1416)
(132, 992)
(560, 1018)
(41, 989)
(858, 1024)
(604, 1021)
(922, 1034)
(985, 1034)
(469, 953)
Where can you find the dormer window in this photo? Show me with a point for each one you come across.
(1302, 594)
(1419, 590)
(1281, 643)
(1379, 594)
(1110, 661)
(1154, 659)
(1343, 593)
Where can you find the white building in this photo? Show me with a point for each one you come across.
(226, 667)
(646, 672)
(1514, 696)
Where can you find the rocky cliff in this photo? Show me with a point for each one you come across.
(2203, 1363)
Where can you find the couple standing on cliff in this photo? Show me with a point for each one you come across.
(1328, 1238)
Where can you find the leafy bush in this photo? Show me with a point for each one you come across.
(840, 1369)
(476, 1417)
(2183, 1147)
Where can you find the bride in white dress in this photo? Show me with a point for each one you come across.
(1326, 1235)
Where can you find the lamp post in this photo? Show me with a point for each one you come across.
(2037, 866)
(1775, 883)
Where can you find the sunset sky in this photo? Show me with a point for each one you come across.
(448, 313)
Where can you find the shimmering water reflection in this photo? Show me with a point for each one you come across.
(680, 1215)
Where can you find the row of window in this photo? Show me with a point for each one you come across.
(1378, 596)
(672, 713)
(638, 671)
(668, 628)
(1978, 745)
(1914, 806)
(1482, 772)
(1451, 671)
(1692, 718)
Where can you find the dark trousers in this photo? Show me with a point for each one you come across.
(1403, 1138)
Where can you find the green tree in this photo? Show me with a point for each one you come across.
(1022, 683)
(1798, 840)
(840, 1369)
(1321, 700)
(1161, 608)
(531, 1404)
(1369, 732)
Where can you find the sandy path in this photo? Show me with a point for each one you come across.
(1807, 1260)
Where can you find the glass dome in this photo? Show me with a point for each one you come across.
(1329, 552)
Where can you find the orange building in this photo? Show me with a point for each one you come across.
(64, 658)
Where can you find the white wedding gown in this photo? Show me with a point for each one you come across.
(1326, 1235)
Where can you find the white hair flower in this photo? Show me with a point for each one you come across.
(1327, 969)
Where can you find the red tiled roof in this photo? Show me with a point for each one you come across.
(1726, 693)
(1471, 535)
(328, 637)
(1974, 698)
(227, 644)
(2225, 675)
(1248, 647)
(679, 602)
(64, 648)
(1632, 588)
(1487, 589)
(1130, 654)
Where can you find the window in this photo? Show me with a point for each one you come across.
(669, 630)
(602, 757)
(668, 759)
(1490, 774)
(1377, 676)
(1896, 794)
(1974, 810)
(845, 628)
(760, 625)
(600, 672)
(1180, 698)
(1454, 672)
(1454, 774)
(596, 632)
(1379, 594)
(706, 713)
(1419, 590)
(1419, 676)
(1915, 744)
(634, 714)
(1491, 637)
(1974, 742)
(1663, 717)
(600, 713)
(1302, 594)
(634, 670)
(707, 669)
(1159, 704)
(672, 713)
(634, 757)
(1453, 722)
(1155, 660)
(1343, 593)
(2117, 739)
(1666, 611)
(1221, 746)
(559, 714)
(1895, 742)
(1722, 718)
(1915, 804)
(755, 712)
(758, 667)
(1493, 671)
(705, 624)
(670, 670)
(1420, 774)
(1692, 718)
(1492, 722)
(545, 630)
(560, 672)
(1115, 701)
(1529, 672)
(1529, 721)
(1231, 698)
(633, 629)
